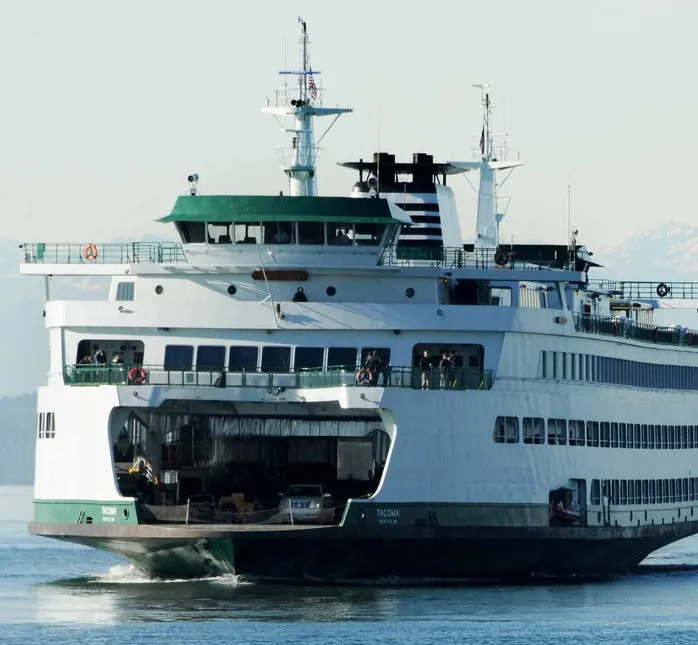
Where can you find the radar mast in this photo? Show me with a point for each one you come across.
(295, 108)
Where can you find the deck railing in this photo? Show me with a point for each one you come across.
(401, 377)
(626, 328)
(113, 253)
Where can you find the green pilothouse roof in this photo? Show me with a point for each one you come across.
(258, 208)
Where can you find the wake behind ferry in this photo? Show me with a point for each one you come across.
(342, 388)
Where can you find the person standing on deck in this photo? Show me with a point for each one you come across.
(425, 369)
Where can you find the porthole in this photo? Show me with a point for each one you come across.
(331, 291)
(158, 289)
(125, 513)
(409, 292)
(232, 289)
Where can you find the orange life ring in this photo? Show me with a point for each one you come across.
(137, 376)
(363, 376)
(90, 252)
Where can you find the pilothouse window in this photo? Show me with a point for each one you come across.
(369, 234)
(191, 232)
(311, 233)
(340, 234)
(247, 233)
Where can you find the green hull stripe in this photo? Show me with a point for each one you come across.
(85, 512)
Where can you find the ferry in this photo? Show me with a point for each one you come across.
(347, 388)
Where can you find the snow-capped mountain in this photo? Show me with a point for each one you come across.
(663, 254)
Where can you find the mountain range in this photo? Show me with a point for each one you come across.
(663, 254)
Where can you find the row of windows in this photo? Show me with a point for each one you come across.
(644, 491)
(316, 233)
(269, 358)
(617, 371)
(595, 434)
(46, 425)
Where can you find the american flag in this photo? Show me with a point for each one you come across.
(312, 88)
(482, 141)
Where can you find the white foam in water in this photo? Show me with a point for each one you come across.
(128, 574)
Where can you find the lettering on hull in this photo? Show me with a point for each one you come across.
(387, 515)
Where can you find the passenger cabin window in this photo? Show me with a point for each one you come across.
(506, 430)
(308, 358)
(276, 359)
(500, 296)
(179, 357)
(576, 431)
(110, 352)
(382, 352)
(125, 291)
(311, 233)
(341, 358)
(243, 358)
(533, 430)
(557, 432)
(210, 358)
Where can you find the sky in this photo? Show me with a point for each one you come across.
(108, 106)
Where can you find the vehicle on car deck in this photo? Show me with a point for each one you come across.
(311, 503)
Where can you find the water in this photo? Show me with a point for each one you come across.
(50, 591)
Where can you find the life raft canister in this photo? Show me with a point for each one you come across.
(363, 376)
(90, 252)
(137, 376)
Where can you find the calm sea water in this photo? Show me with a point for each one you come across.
(61, 593)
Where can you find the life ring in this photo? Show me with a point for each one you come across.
(663, 290)
(137, 376)
(363, 376)
(90, 252)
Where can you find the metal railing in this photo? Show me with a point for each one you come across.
(626, 328)
(647, 290)
(457, 258)
(112, 253)
(400, 377)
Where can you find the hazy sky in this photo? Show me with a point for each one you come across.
(107, 106)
